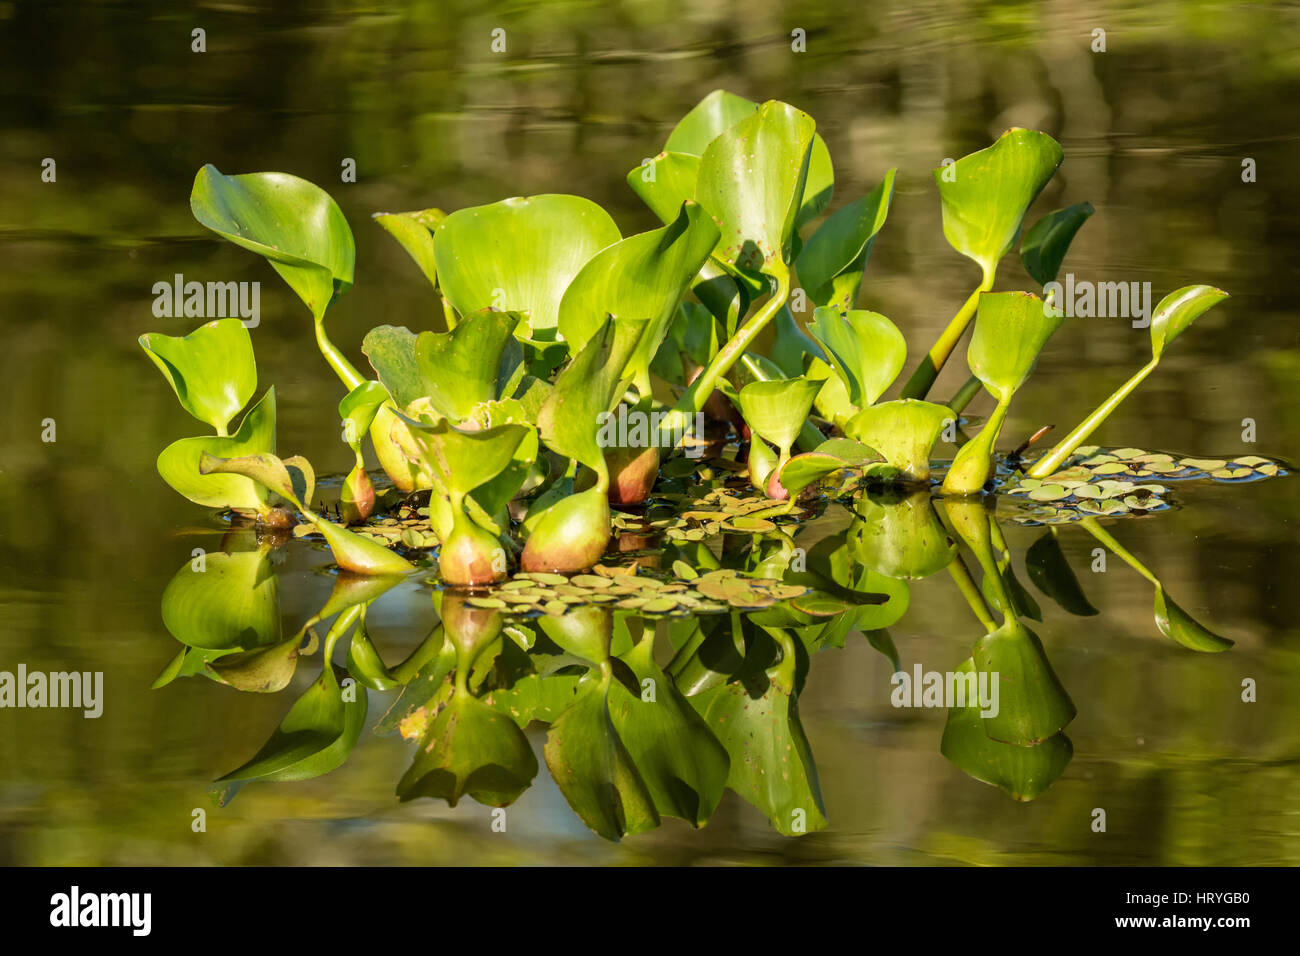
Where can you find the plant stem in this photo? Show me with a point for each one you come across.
(1101, 534)
(1066, 446)
(974, 462)
(918, 386)
(966, 584)
(697, 393)
(965, 395)
(337, 360)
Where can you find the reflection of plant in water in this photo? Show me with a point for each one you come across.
(660, 688)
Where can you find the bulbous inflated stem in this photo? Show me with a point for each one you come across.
(571, 536)
(762, 463)
(973, 465)
(471, 556)
(632, 474)
(405, 475)
(357, 499)
(469, 628)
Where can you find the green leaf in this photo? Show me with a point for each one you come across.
(683, 764)
(665, 182)
(179, 462)
(470, 748)
(899, 537)
(1032, 705)
(707, 120)
(211, 370)
(771, 763)
(233, 603)
(391, 351)
(460, 369)
(834, 258)
(519, 255)
(1043, 248)
(1178, 310)
(866, 349)
(593, 769)
(587, 388)
(266, 469)
(986, 194)
(293, 223)
(314, 738)
(641, 277)
(1023, 772)
(1052, 574)
(1177, 624)
(1011, 329)
(903, 432)
(752, 180)
(414, 230)
(358, 410)
(463, 459)
(776, 410)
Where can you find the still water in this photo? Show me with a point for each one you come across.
(1155, 131)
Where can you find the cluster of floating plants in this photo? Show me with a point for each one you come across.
(651, 599)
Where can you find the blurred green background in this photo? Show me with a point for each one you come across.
(1154, 129)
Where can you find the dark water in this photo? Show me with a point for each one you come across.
(1155, 130)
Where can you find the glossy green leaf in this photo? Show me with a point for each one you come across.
(1177, 624)
(467, 459)
(358, 410)
(314, 738)
(777, 410)
(1178, 310)
(986, 194)
(293, 223)
(1022, 772)
(751, 181)
(665, 182)
(708, 119)
(1052, 574)
(1043, 248)
(903, 432)
(569, 418)
(1011, 329)
(414, 230)
(832, 261)
(899, 536)
(519, 255)
(593, 769)
(1032, 704)
(683, 764)
(179, 462)
(771, 763)
(233, 603)
(461, 369)
(211, 370)
(641, 277)
(391, 351)
(866, 349)
(470, 748)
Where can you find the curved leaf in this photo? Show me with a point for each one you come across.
(1043, 248)
(752, 180)
(519, 255)
(232, 604)
(211, 370)
(987, 193)
(293, 223)
(776, 410)
(866, 349)
(414, 230)
(179, 462)
(832, 261)
(1011, 329)
(1178, 310)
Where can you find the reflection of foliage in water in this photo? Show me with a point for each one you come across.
(667, 675)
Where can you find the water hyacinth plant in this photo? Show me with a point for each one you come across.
(554, 320)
